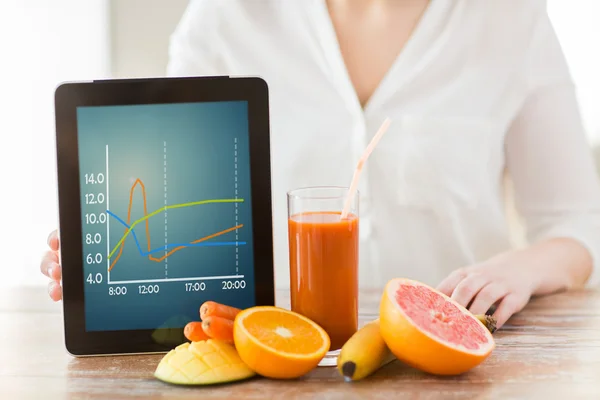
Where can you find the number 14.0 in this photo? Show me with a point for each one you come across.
(91, 179)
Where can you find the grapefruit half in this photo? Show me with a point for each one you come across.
(429, 331)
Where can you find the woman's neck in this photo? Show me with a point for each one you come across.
(371, 34)
(375, 5)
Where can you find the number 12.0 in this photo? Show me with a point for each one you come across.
(91, 198)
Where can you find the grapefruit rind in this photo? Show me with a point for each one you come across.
(239, 324)
(483, 350)
(416, 347)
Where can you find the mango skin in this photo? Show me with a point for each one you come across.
(206, 362)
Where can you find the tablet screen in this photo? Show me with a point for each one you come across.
(166, 212)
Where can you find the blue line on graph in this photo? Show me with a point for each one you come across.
(165, 247)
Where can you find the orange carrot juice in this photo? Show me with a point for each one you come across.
(324, 271)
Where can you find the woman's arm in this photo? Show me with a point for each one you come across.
(556, 189)
(557, 192)
(551, 165)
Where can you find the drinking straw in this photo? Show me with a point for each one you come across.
(353, 185)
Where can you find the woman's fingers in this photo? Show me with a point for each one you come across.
(487, 297)
(50, 266)
(449, 284)
(53, 241)
(55, 291)
(55, 272)
(511, 304)
(468, 288)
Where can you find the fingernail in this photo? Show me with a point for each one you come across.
(51, 288)
(53, 267)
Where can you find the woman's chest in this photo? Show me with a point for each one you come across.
(442, 116)
(445, 144)
(451, 99)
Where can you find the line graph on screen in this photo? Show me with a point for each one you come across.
(140, 233)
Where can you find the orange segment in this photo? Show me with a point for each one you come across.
(278, 343)
(285, 332)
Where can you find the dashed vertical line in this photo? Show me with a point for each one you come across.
(165, 182)
(235, 185)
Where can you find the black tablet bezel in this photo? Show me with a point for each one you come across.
(68, 97)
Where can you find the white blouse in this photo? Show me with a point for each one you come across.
(480, 87)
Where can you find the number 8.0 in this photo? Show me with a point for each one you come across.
(89, 239)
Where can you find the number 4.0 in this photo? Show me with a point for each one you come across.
(97, 278)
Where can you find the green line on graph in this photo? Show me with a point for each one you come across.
(193, 203)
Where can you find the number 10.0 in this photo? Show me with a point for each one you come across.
(91, 218)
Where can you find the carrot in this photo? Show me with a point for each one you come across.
(218, 328)
(194, 333)
(214, 309)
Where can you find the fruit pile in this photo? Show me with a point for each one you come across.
(230, 344)
(417, 325)
(421, 327)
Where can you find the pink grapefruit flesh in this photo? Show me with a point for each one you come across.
(428, 330)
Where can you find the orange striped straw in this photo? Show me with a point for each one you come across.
(354, 184)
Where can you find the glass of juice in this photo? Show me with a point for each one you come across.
(323, 251)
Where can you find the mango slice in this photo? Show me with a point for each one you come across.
(205, 362)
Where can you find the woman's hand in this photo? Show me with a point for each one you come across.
(506, 285)
(509, 280)
(50, 267)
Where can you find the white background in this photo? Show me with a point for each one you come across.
(42, 43)
(45, 42)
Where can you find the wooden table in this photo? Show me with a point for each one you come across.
(549, 351)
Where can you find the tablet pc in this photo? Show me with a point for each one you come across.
(164, 196)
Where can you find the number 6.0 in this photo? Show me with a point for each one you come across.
(94, 259)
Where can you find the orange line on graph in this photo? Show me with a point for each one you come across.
(150, 256)
(197, 241)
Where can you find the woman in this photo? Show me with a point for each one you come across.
(474, 89)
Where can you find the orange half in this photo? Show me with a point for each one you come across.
(430, 331)
(278, 343)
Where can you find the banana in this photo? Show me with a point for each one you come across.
(364, 353)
